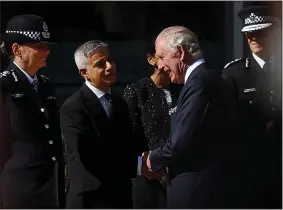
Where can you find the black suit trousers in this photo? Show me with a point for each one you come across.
(116, 196)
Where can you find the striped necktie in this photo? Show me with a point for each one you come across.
(108, 104)
(35, 84)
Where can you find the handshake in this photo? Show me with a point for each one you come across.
(160, 175)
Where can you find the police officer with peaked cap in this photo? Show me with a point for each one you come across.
(31, 153)
(256, 81)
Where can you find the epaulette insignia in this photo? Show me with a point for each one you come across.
(248, 62)
(234, 61)
(44, 78)
(11, 72)
(4, 73)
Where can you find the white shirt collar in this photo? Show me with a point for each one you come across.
(192, 67)
(97, 92)
(259, 60)
(30, 79)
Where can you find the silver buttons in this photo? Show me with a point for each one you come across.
(54, 158)
(42, 109)
(50, 142)
(251, 102)
(46, 126)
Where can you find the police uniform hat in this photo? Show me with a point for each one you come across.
(257, 18)
(27, 28)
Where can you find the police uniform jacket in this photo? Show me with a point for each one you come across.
(258, 93)
(32, 166)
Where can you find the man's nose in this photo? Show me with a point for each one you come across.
(160, 64)
(110, 66)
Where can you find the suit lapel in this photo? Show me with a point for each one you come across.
(95, 108)
(193, 74)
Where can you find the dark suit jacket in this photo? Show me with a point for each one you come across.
(199, 143)
(100, 150)
(31, 144)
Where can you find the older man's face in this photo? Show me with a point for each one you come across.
(167, 62)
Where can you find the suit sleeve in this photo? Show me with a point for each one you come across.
(79, 141)
(190, 112)
(131, 98)
(132, 156)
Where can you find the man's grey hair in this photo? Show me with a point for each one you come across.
(182, 36)
(86, 50)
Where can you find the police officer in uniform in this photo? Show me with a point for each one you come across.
(31, 156)
(256, 83)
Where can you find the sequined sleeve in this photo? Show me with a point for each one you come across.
(132, 100)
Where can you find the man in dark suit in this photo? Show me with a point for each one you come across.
(150, 100)
(97, 128)
(31, 152)
(199, 153)
(257, 84)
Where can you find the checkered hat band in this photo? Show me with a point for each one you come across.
(260, 19)
(31, 34)
(256, 27)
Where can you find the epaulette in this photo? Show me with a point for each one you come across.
(44, 78)
(6, 74)
(234, 61)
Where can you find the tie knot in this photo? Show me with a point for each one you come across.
(108, 97)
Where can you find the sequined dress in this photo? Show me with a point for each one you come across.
(149, 107)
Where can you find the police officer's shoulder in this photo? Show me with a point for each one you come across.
(8, 76)
(8, 81)
(44, 78)
(237, 61)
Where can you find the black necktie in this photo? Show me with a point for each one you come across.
(35, 84)
(108, 104)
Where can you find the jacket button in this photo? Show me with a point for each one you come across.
(46, 126)
(251, 102)
(50, 142)
(42, 109)
(54, 158)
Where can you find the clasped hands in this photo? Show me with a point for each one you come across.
(146, 169)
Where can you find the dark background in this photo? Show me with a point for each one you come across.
(126, 26)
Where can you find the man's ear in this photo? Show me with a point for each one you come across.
(84, 73)
(16, 49)
(182, 52)
(150, 59)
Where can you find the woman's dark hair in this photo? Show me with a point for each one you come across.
(150, 46)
